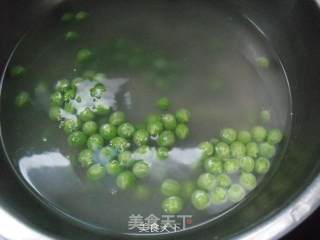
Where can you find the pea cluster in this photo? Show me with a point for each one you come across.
(230, 167)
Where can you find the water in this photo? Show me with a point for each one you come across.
(215, 75)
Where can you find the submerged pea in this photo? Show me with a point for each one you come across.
(166, 139)
(22, 99)
(77, 139)
(96, 172)
(142, 192)
(155, 128)
(86, 115)
(82, 15)
(126, 130)
(108, 153)
(17, 71)
(97, 90)
(267, 150)
(183, 115)
(163, 103)
(172, 205)
(67, 17)
(141, 137)
(141, 169)
(247, 164)
(169, 121)
(236, 193)
(120, 144)
(265, 116)
(71, 36)
(55, 113)
(90, 127)
(259, 133)
(84, 55)
(222, 150)
(125, 180)
(56, 99)
(200, 199)
(108, 131)
(224, 180)
(262, 165)
(71, 125)
(86, 158)
(62, 85)
(206, 149)
(114, 168)
(102, 110)
(207, 181)
(187, 189)
(218, 196)
(244, 136)
(252, 149)
(263, 62)
(231, 166)
(237, 150)
(170, 187)
(182, 131)
(117, 118)
(162, 153)
(228, 135)
(125, 159)
(213, 165)
(95, 142)
(248, 181)
(274, 136)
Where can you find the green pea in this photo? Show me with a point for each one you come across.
(166, 139)
(206, 149)
(126, 159)
(62, 85)
(274, 136)
(126, 180)
(200, 199)
(17, 71)
(172, 205)
(248, 181)
(224, 180)
(183, 115)
(22, 99)
(67, 17)
(155, 128)
(86, 115)
(96, 172)
(86, 158)
(108, 153)
(163, 103)
(77, 139)
(244, 136)
(102, 110)
(84, 55)
(231, 166)
(169, 121)
(153, 118)
(228, 135)
(262, 165)
(95, 142)
(236, 193)
(117, 118)
(68, 107)
(141, 137)
(71, 36)
(222, 150)
(259, 133)
(71, 125)
(89, 74)
(142, 192)
(55, 113)
(120, 144)
(265, 116)
(213, 165)
(170, 187)
(98, 90)
(182, 131)
(267, 150)
(252, 149)
(108, 131)
(207, 181)
(162, 153)
(263, 62)
(82, 15)
(70, 94)
(247, 164)
(143, 149)
(114, 168)
(76, 82)
(141, 169)
(90, 128)
(218, 196)
(237, 150)
(187, 189)
(56, 99)
(126, 130)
